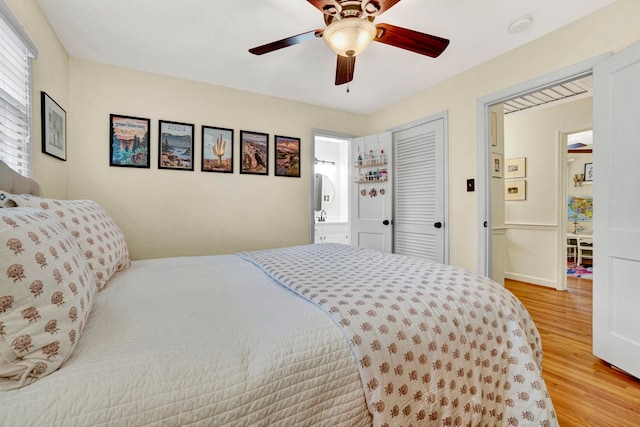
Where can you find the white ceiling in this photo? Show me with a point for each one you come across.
(208, 41)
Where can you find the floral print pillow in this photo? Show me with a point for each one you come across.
(101, 240)
(46, 295)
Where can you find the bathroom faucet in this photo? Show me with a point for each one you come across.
(322, 216)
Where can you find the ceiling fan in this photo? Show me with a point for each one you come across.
(350, 29)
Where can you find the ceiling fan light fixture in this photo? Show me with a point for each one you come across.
(349, 36)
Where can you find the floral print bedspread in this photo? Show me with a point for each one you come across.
(434, 344)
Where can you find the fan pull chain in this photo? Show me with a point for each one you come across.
(347, 87)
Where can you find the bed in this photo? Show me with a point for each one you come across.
(326, 335)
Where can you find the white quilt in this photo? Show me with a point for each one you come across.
(202, 341)
(435, 344)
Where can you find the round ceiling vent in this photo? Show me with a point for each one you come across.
(520, 24)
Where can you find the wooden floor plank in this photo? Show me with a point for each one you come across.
(585, 390)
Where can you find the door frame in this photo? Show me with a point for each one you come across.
(444, 115)
(484, 104)
(312, 152)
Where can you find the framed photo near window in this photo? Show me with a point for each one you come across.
(54, 128)
(515, 168)
(515, 190)
(129, 141)
(254, 153)
(287, 154)
(217, 149)
(175, 143)
(588, 172)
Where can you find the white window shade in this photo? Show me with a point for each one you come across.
(16, 51)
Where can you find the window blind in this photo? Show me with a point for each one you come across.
(16, 51)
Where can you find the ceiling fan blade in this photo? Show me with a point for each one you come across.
(344, 69)
(385, 5)
(424, 44)
(320, 4)
(289, 41)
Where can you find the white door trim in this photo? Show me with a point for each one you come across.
(484, 104)
(318, 132)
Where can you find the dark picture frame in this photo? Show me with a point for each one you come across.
(254, 153)
(217, 149)
(588, 172)
(287, 156)
(129, 143)
(175, 145)
(54, 127)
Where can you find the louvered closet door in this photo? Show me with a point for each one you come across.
(419, 191)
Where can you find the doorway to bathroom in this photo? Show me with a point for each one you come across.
(330, 188)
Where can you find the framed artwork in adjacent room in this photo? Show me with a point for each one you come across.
(217, 149)
(588, 172)
(494, 129)
(175, 145)
(515, 189)
(129, 142)
(254, 153)
(515, 168)
(287, 154)
(496, 165)
(54, 128)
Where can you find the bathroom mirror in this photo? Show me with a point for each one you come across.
(324, 192)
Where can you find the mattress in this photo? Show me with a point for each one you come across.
(198, 341)
(315, 335)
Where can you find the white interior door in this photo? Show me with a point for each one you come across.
(419, 191)
(616, 228)
(372, 192)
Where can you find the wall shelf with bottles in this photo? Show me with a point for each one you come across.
(370, 165)
(365, 164)
(371, 159)
(378, 175)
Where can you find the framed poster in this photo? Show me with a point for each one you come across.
(175, 145)
(54, 128)
(217, 149)
(129, 141)
(287, 154)
(254, 153)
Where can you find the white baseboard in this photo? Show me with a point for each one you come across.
(531, 279)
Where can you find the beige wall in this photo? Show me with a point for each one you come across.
(174, 212)
(610, 29)
(169, 212)
(50, 74)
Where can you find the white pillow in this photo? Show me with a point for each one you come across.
(46, 295)
(102, 242)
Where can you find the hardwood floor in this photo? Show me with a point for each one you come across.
(585, 390)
